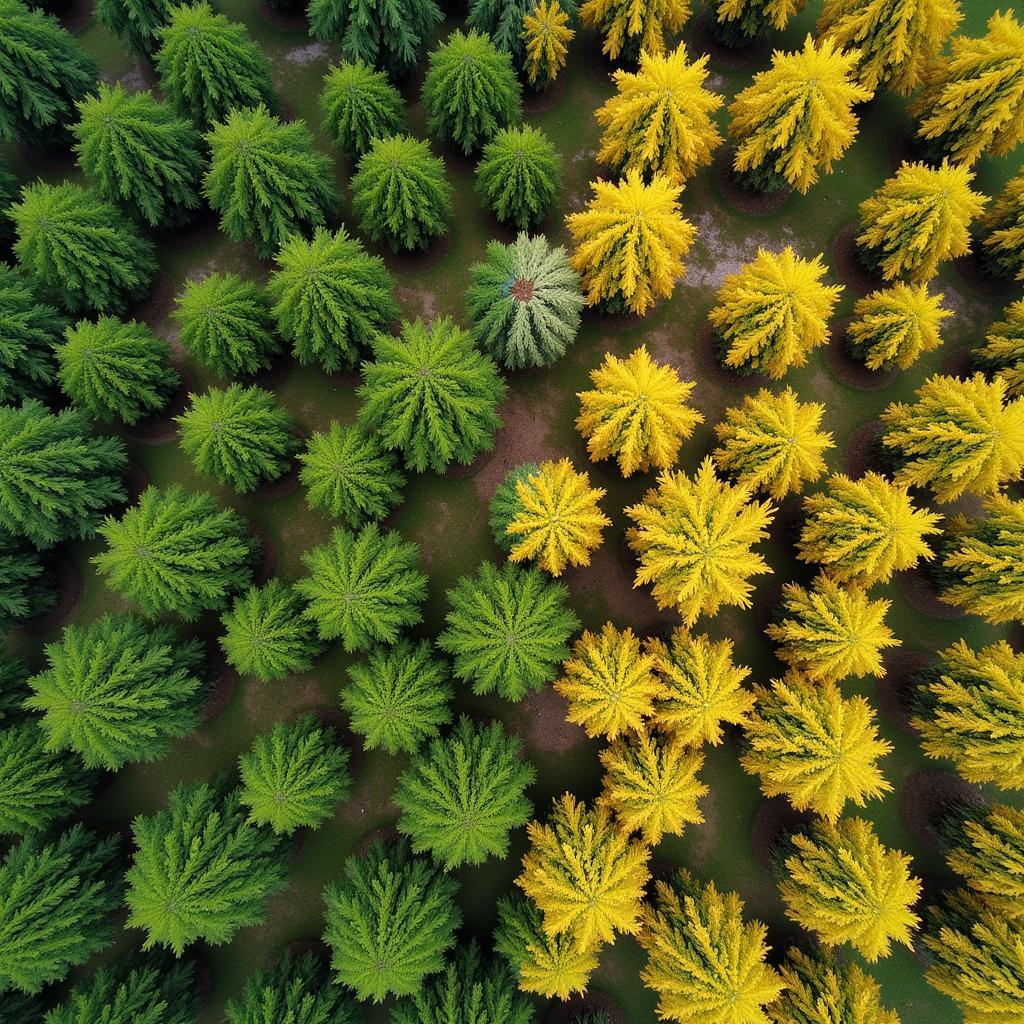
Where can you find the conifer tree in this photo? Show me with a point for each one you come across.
(9, 187)
(29, 329)
(14, 673)
(358, 105)
(630, 27)
(894, 326)
(918, 219)
(524, 302)
(16, 1007)
(1004, 227)
(843, 885)
(740, 22)
(79, 249)
(209, 66)
(400, 193)
(1003, 351)
(773, 312)
(137, 22)
(27, 587)
(431, 395)
(389, 921)
(504, 22)
(703, 960)
(117, 691)
(679, 522)
(630, 242)
(331, 298)
(505, 504)
(660, 119)
(133, 150)
(546, 37)
(987, 851)
(177, 552)
(398, 697)
(862, 531)
(296, 990)
(519, 176)
(115, 369)
(825, 990)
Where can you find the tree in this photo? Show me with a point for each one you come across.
(633, 26)
(796, 119)
(845, 886)
(115, 370)
(895, 326)
(400, 193)
(773, 312)
(56, 898)
(266, 178)
(137, 22)
(79, 249)
(586, 876)
(507, 630)
(822, 989)
(505, 504)
(464, 793)
(225, 323)
(862, 531)
(1003, 351)
(1004, 226)
(82, 474)
(609, 682)
(14, 673)
(812, 746)
(363, 587)
(703, 960)
(546, 37)
(636, 413)
(519, 176)
(296, 989)
(630, 242)
(740, 22)
(398, 697)
(135, 151)
(987, 851)
(679, 523)
(504, 22)
(389, 921)
(917, 219)
(29, 329)
(209, 66)
(44, 74)
(659, 121)
(117, 691)
(524, 302)
(701, 688)
(177, 552)
(897, 40)
(9, 188)
(27, 587)
(331, 298)
(358, 105)
(265, 634)
(293, 776)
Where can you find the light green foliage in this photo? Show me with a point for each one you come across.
(359, 105)
(506, 504)
(295, 991)
(29, 328)
(137, 22)
(519, 176)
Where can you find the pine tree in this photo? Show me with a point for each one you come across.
(824, 990)
(398, 697)
(1003, 351)
(630, 242)
(796, 119)
(636, 413)
(546, 36)
(702, 688)
(660, 119)
(862, 531)
(705, 962)
(358, 105)
(266, 635)
(296, 990)
(363, 587)
(524, 302)
(117, 691)
(389, 921)
(29, 329)
(177, 552)
(331, 298)
(651, 783)
(987, 851)
(586, 876)
(27, 586)
(683, 519)
(843, 885)
(135, 151)
(773, 312)
(918, 219)
(115, 369)
(740, 22)
(400, 193)
(519, 176)
(56, 897)
(895, 326)
(819, 750)
(137, 22)
(82, 474)
(504, 22)
(609, 682)
(81, 250)
(209, 66)
(431, 395)
(631, 27)
(1004, 227)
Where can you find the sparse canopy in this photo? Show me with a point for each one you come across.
(519, 176)
(358, 105)
(1004, 227)
(29, 329)
(632, 26)
(987, 851)
(137, 22)
(297, 990)
(822, 989)
(546, 38)
(740, 22)
(1003, 351)
(895, 326)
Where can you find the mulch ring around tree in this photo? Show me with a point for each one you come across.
(972, 271)
(921, 590)
(862, 450)
(288, 482)
(332, 717)
(265, 556)
(708, 352)
(847, 368)
(387, 834)
(76, 14)
(846, 264)
(742, 199)
(223, 681)
(569, 1011)
(704, 40)
(535, 102)
(927, 797)
(419, 260)
(774, 820)
(897, 688)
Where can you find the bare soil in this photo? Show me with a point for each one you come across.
(847, 267)
(850, 370)
(921, 591)
(709, 361)
(703, 40)
(420, 260)
(535, 102)
(745, 200)
(860, 453)
(895, 690)
(223, 682)
(774, 820)
(69, 591)
(546, 727)
(265, 559)
(161, 428)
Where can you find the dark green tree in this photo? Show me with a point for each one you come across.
(137, 22)
(359, 105)
(506, 505)
(9, 188)
(502, 20)
(519, 176)
(26, 582)
(19, 1007)
(296, 990)
(29, 329)
(14, 673)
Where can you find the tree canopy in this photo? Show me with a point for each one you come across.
(358, 104)
(519, 176)
(1004, 230)
(630, 27)
(29, 329)
(894, 326)
(296, 990)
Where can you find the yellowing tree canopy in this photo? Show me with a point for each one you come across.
(631, 26)
(1003, 350)
(547, 35)
(1004, 224)
(895, 326)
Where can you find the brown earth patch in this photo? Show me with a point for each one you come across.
(156, 307)
(862, 448)
(202, 977)
(903, 150)
(314, 947)
(281, 487)
(926, 797)
(958, 362)
(286, 17)
(136, 481)
(921, 590)
(223, 682)
(537, 102)
(742, 199)
(69, 588)
(704, 836)
(546, 727)
(416, 302)
(709, 360)
(774, 820)
(850, 370)
(974, 273)
(297, 843)
(76, 15)
(569, 1011)
(846, 265)
(897, 688)
(420, 260)
(387, 834)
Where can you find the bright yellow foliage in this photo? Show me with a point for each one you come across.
(823, 990)
(774, 13)
(895, 326)
(547, 36)
(1004, 222)
(632, 26)
(1003, 350)
(637, 412)
(988, 852)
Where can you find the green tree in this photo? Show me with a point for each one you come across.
(14, 673)
(137, 22)
(294, 991)
(506, 504)
(1003, 351)
(986, 848)
(359, 105)
(29, 329)
(26, 582)
(502, 21)
(519, 176)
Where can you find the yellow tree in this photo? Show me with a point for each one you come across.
(894, 326)
(773, 311)
(987, 851)
(1003, 351)
(636, 413)
(546, 34)
(694, 538)
(796, 119)
(631, 26)
(1004, 230)
(630, 242)
(739, 22)
(659, 120)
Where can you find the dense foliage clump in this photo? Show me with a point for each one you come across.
(519, 176)
(29, 329)
(359, 105)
